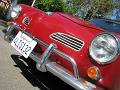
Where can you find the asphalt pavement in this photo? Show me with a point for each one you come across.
(11, 77)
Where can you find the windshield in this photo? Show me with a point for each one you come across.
(109, 25)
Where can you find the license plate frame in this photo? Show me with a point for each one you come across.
(23, 44)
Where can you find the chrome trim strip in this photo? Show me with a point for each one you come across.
(58, 71)
(47, 53)
(44, 59)
(70, 59)
(63, 74)
(9, 30)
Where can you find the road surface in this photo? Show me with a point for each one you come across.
(11, 77)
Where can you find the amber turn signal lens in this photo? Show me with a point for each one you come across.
(93, 73)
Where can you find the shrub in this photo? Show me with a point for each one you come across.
(52, 5)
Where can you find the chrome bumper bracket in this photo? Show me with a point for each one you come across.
(44, 58)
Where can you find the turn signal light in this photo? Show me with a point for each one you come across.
(93, 73)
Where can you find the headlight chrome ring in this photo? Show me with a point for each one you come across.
(15, 11)
(13, 4)
(104, 48)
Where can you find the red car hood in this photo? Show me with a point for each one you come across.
(42, 25)
(63, 23)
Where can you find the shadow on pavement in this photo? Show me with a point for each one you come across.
(44, 81)
(3, 26)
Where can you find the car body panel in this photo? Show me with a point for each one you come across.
(41, 25)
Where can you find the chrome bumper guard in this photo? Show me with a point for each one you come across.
(44, 64)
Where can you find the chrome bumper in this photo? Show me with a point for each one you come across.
(44, 64)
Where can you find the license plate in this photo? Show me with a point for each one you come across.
(23, 44)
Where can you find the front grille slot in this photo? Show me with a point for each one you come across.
(68, 40)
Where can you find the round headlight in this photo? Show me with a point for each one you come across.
(15, 11)
(104, 48)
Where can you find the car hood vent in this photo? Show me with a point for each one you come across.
(68, 40)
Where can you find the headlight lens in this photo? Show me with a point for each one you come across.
(15, 11)
(104, 48)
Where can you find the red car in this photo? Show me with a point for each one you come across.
(81, 54)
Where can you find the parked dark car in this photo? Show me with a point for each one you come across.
(108, 24)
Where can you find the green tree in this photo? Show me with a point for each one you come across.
(52, 5)
(89, 8)
(117, 4)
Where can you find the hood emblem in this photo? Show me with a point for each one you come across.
(26, 21)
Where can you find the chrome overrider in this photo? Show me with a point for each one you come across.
(44, 64)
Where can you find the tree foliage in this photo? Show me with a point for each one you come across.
(85, 9)
(117, 4)
(90, 8)
(52, 5)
